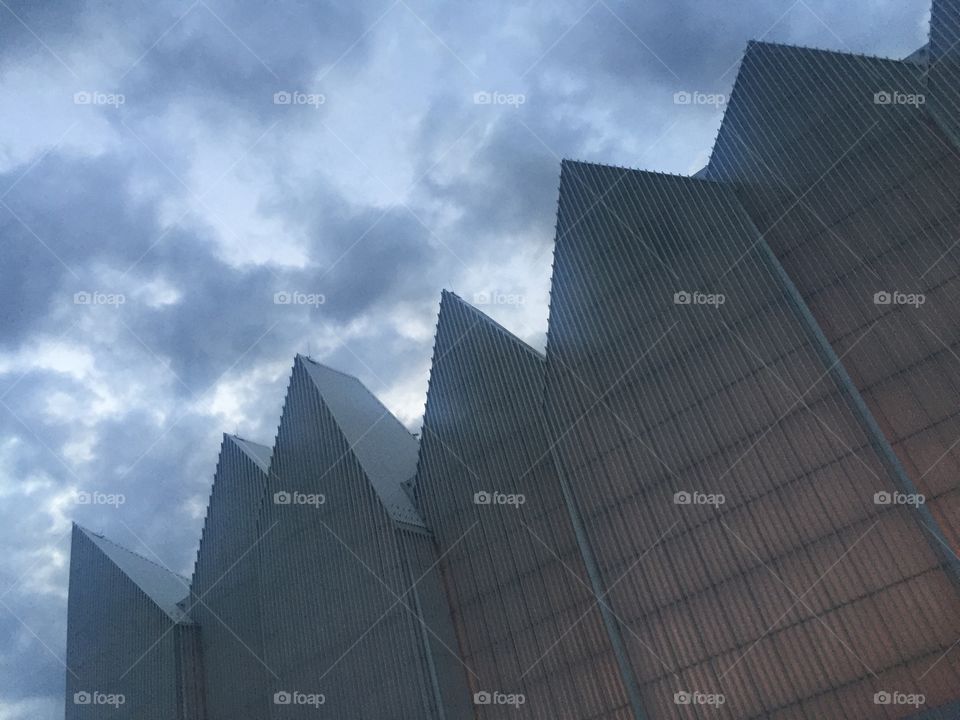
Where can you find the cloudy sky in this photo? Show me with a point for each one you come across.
(193, 192)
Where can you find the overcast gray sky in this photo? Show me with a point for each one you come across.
(195, 159)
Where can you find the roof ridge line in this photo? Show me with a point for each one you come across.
(815, 49)
(246, 440)
(496, 325)
(326, 367)
(636, 170)
(136, 554)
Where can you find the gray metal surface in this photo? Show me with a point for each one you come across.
(344, 562)
(122, 643)
(519, 592)
(650, 394)
(384, 447)
(226, 577)
(858, 198)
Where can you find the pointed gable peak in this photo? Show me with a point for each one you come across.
(164, 587)
(455, 312)
(385, 449)
(258, 453)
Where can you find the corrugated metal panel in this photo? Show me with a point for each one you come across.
(165, 588)
(121, 645)
(331, 554)
(857, 198)
(191, 692)
(799, 596)
(944, 72)
(519, 592)
(224, 590)
(385, 449)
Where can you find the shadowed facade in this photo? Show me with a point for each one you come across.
(679, 365)
(344, 546)
(224, 597)
(519, 594)
(854, 187)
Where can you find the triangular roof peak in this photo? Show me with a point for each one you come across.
(386, 450)
(258, 452)
(452, 305)
(165, 588)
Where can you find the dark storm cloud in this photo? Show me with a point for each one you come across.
(232, 57)
(22, 21)
(54, 221)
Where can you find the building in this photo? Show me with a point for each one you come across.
(519, 590)
(728, 488)
(224, 599)
(132, 650)
(343, 545)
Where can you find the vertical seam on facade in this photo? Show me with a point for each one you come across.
(424, 639)
(929, 526)
(597, 585)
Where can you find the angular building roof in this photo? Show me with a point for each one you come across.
(475, 358)
(260, 454)
(796, 112)
(386, 450)
(675, 392)
(165, 588)
(484, 430)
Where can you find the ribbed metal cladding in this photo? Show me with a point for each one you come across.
(119, 643)
(856, 195)
(338, 620)
(519, 594)
(943, 80)
(225, 583)
(798, 596)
